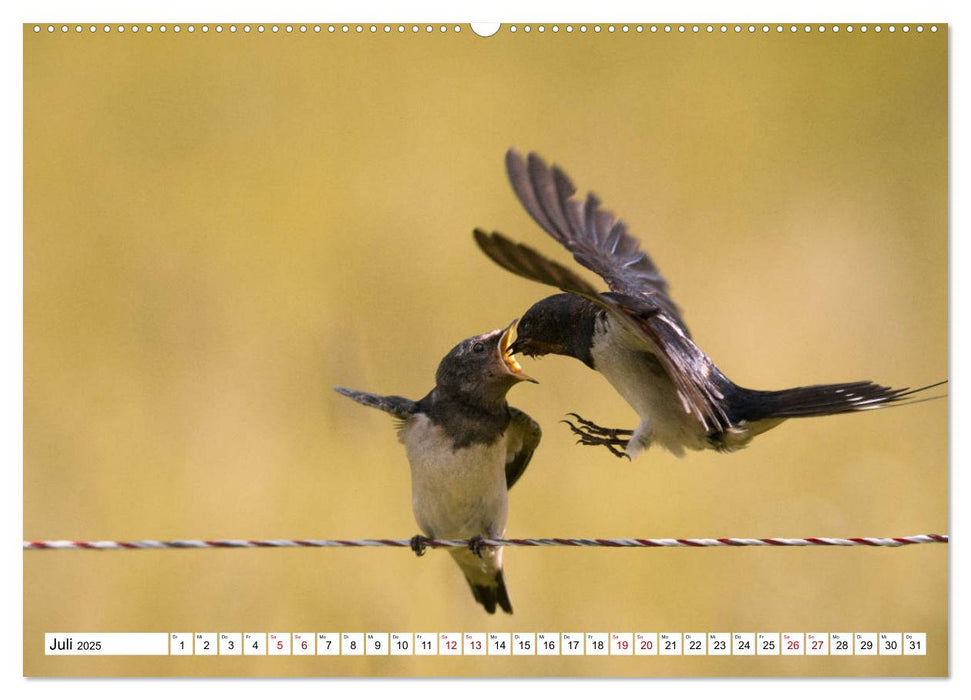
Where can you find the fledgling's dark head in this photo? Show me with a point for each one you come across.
(562, 324)
(482, 367)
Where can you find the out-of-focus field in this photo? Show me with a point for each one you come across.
(220, 228)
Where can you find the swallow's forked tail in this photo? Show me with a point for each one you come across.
(823, 400)
(489, 595)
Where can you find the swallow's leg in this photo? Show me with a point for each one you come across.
(614, 440)
(591, 428)
(475, 545)
(418, 545)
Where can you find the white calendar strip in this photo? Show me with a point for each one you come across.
(485, 644)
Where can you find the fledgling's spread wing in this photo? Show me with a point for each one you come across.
(522, 437)
(598, 240)
(398, 406)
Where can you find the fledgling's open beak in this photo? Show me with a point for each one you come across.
(507, 354)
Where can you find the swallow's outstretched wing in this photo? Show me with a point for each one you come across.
(596, 238)
(523, 436)
(638, 298)
(398, 406)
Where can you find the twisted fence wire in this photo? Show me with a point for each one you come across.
(103, 545)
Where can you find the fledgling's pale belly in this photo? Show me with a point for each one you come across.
(455, 494)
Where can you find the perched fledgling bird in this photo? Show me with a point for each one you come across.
(466, 447)
(634, 334)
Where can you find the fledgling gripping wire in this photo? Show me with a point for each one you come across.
(532, 542)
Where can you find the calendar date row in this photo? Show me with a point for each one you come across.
(488, 644)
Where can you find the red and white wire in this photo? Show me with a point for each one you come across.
(535, 542)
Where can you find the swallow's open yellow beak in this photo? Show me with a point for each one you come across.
(509, 360)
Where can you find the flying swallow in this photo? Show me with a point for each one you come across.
(466, 447)
(634, 334)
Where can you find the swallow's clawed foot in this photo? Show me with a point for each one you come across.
(476, 544)
(418, 545)
(589, 433)
(591, 428)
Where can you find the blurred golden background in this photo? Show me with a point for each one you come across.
(220, 228)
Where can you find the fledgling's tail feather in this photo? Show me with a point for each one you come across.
(397, 406)
(824, 399)
(490, 595)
